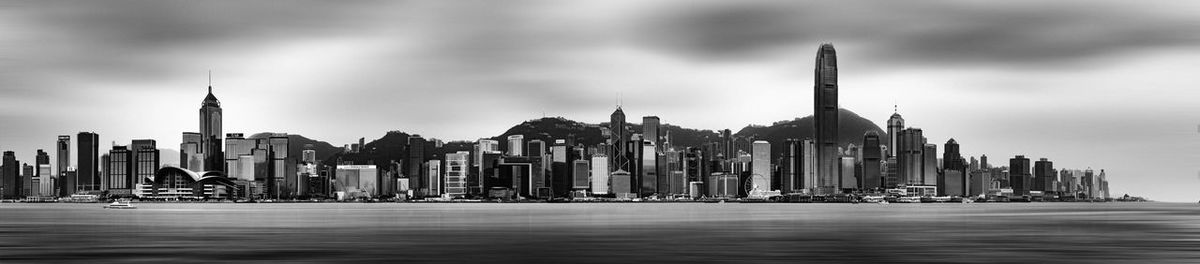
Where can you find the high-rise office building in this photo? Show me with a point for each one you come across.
(648, 172)
(306, 156)
(600, 174)
(456, 174)
(118, 171)
(515, 145)
(416, 157)
(871, 162)
(210, 134)
(790, 168)
(895, 127)
(929, 165)
(434, 177)
(760, 172)
(1044, 177)
(580, 178)
(951, 158)
(910, 157)
(847, 178)
(46, 184)
(535, 148)
(1019, 177)
(88, 170)
(809, 165)
(147, 160)
(239, 156)
(10, 177)
(825, 111)
(620, 136)
(651, 130)
(63, 148)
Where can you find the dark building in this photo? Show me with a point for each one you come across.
(826, 114)
(43, 158)
(791, 167)
(651, 130)
(951, 158)
(580, 175)
(983, 164)
(10, 177)
(895, 126)
(88, 172)
(911, 157)
(146, 160)
(1044, 175)
(210, 132)
(64, 163)
(620, 159)
(872, 168)
(416, 157)
(118, 171)
(1018, 174)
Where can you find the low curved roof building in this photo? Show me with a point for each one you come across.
(171, 182)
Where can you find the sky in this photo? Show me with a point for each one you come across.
(1087, 84)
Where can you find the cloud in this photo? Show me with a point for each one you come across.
(917, 32)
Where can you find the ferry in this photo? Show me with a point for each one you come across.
(908, 199)
(120, 205)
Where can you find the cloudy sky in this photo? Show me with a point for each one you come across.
(1107, 85)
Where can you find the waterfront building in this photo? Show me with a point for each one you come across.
(119, 177)
(929, 165)
(237, 147)
(174, 183)
(651, 130)
(621, 183)
(416, 159)
(433, 177)
(761, 165)
(825, 111)
(600, 175)
(10, 177)
(146, 160)
(1019, 177)
(846, 174)
(355, 181)
(1044, 176)
(871, 162)
(580, 180)
(88, 150)
(895, 126)
(809, 166)
(910, 156)
(648, 174)
(456, 174)
(724, 185)
(46, 184)
(63, 148)
(790, 168)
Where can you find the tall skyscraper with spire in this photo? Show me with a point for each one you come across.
(210, 133)
(619, 137)
(826, 113)
(895, 125)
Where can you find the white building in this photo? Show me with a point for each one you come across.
(760, 167)
(355, 181)
(600, 174)
(456, 174)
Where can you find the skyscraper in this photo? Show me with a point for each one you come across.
(808, 159)
(619, 159)
(929, 165)
(191, 151)
(210, 133)
(791, 169)
(825, 110)
(65, 186)
(1044, 176)
(416, 157)
(600, 174)
(910, 158)
(88, 172)
(43, 174)
(651, 130)
(895, 126)
(146, 160)
(1018, 173)
(118, 172)
(760, 172)
(951, 158)
(872, 156)
(10, 177)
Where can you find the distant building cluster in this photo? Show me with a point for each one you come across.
(625, 165)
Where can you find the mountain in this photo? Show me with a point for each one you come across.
(850, 131)
(394, 144)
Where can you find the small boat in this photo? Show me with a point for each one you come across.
(120, 205)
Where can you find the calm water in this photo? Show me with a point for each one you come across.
(558, 233)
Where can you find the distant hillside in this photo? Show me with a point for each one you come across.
(850, 131)
(394, 145)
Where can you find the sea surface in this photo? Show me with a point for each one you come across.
(603, 233)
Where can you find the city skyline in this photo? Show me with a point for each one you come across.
(243, 92)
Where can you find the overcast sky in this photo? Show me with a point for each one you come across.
(1108, 85)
